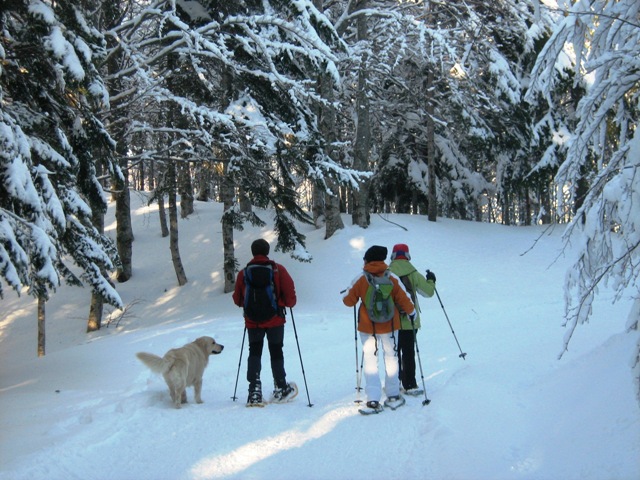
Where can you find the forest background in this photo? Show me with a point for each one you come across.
(512, 111)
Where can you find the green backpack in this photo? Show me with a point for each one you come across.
(378, 299)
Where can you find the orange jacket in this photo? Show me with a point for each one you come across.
(358, 290)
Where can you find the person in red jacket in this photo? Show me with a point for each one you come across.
(272, 328)
(385, 334)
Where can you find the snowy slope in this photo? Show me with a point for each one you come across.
(511, 410)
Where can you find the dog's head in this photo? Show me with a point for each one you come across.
(209, 345)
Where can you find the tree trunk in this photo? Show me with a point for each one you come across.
(317, 207)
(41, 326)
(229, 265)
(141, 169)
(346, 199)
(185, 187)
(506, 201)
(333, 218)
(124, 229)
(527, 207)
(227, 196)
(362, 147)
(245, 203)
(95, 313)
(164, 228)
(173, 225)
(94, 322)
(203, 180)
(478, 208)
(432, 195)
(152, 175)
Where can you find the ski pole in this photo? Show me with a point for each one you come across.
(234, 398)
(355, 338)
(300, 355)
(360, 375)
(426, 401)
(462, 355)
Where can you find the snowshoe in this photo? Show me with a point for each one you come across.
(372, 407)
(286, 394)
(394, 402)
(414, 392)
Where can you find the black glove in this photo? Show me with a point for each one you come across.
(413, 316)
(431, 276)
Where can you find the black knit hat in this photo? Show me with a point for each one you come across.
(260, 247)
(374, 253)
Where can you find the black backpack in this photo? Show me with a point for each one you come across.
(260, 302)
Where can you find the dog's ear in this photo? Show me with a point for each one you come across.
(206, 343)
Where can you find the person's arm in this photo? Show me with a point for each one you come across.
(287, 288)
(424, 286)
(238, 292)
(351, 296)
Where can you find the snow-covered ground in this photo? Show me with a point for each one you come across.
(90, 410)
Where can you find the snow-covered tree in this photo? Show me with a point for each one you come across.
(241, 91)
(600, 41)
(441, 94)
(51, 142)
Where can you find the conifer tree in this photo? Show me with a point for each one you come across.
(52, 141)
(240, 87)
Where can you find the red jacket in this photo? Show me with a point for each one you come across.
(358, 289)
(285, 292)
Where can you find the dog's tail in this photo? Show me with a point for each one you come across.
(155, 363)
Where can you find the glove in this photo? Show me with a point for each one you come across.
(431, 276)
(413, 316)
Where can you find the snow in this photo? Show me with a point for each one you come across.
(512, 410)
(65, 51)
(38, 8)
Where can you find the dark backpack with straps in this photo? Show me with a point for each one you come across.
(260, 303)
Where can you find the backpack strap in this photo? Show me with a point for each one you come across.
(274, 268)
(409, 288)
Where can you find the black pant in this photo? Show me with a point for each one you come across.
(275, 340)
(407, 359)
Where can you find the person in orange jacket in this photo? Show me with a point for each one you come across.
(383, 334)
(272, 328)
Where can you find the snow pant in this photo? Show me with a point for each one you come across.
(275, 340)
(407, 359)
(373, 387)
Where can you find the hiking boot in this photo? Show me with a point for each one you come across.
(371, 408)
(286, 394)
(255, 394)
(414, 392)
(394, 402)
(255, 399)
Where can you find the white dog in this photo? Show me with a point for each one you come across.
(183, 367)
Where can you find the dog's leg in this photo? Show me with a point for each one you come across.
(176, 396)
(183, 396)
(197, 389)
